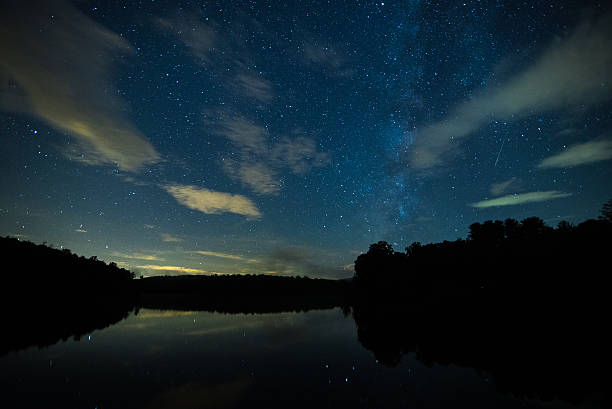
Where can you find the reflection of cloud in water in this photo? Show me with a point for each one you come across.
(145, 314)
(226, 328)
(138, 325)
(154, 349)
(202, 395)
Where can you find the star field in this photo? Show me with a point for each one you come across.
(264, 137)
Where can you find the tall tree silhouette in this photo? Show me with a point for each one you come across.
(606, 212)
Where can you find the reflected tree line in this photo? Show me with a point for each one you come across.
(522, 302)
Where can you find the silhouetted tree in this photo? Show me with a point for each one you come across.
(606, 212)
(533, 227)
(413, 249)
(490, 233)
(564, 226)
(512, 229)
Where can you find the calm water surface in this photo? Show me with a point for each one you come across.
(173, 359)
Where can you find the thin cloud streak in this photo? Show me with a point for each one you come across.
(517, 199)
(580, 154)
(255, 87)
(168, 238)
(222, 255)
(177, 269)
(198, 36)
(138, 256)
(211, 202)
(217, 52)
(72, 90)
(573, 71)
(328, 58)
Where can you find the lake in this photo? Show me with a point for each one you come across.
(185, 359)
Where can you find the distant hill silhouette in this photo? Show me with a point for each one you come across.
(246, 294)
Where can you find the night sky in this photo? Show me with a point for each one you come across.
(285, 137)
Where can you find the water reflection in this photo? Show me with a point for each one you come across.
(381, 358)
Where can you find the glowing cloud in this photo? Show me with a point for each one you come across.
(138, 256)
(72, 89)
(177, 269)
(220, 255)
(580, 154)
(516, 199)
(211, 202)
(573, 71)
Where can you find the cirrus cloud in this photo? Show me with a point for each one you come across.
(222, 255)
(177, 269)
(516, 199)
(580, 154)
(261, 161)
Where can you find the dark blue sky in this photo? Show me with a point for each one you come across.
(191, 137)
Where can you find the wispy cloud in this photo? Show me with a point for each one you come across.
(218, 52)
(573, 71)
(297, 261)
(177, 269)
(72, 90)
(516, 199)
(137, 256)
(252, 139)
(300, 154)
(222, 255)
(168, 238)
(260, 176)
(255, 87)
(327, 57)
(580, 154)
(200, 37)
(260, 161)
(505, 186)
(211, 202)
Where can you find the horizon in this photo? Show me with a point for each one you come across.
(285, 140)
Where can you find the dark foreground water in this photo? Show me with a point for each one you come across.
(178, 359)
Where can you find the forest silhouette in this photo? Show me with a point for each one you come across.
(52, 294)
(521, 301)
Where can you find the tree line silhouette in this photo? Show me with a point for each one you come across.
(52, 294)
(247, 294)
(503, 256)
(522, 302)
